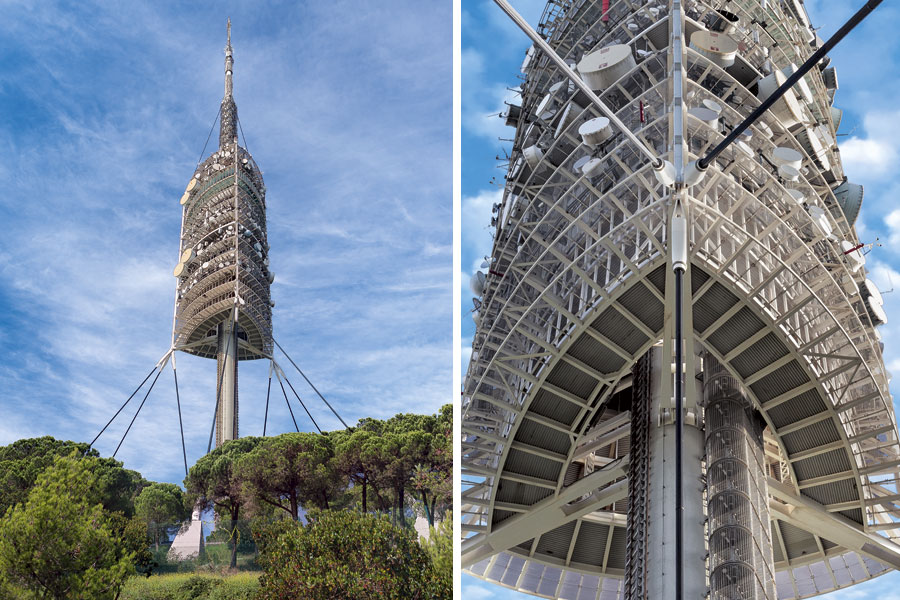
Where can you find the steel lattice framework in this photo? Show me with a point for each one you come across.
(579, 289)
(223, 272)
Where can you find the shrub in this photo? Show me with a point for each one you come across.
(344, 554)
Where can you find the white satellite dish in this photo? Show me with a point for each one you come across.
(592, 167)
(709, 117)
(533, 156)
(595, 131)
(873, 293)
(788, 173)
(717, 47)
(819, 216)
(477, 283)
(602, 68)
(878, 314)
(787, 156)
(856, 258)
(713, 106)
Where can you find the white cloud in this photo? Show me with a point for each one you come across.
(875, 155)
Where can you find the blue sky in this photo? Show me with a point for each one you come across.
(868, 68)
(104, 110)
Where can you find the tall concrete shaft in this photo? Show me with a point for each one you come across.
(227, 392)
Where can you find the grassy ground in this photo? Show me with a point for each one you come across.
(192, 586)
(216, 557)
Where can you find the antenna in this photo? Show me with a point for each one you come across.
(676, 387)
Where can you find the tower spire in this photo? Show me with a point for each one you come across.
(228, 128)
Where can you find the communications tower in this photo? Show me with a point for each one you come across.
(223, 309)
(676, 387)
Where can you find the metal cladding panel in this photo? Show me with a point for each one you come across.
(797, 541)
(616, 558)
(614, 326)
(547, 404)
(779, 381)
(640, 302)
(835, 461)
(813, 436)
(735, 331)
(759, 355)
(796, 409)
(595, 354)
(572, 379)
(556, 543)
(591, 544)
(521, 493)
(712, 305)
(525, 463)
(541, 436)
(844, 490)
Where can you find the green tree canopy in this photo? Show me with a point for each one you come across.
(346, 554)
(159, 505)
(289, 470)
(213, 482)
(61, 543)
(23, 461)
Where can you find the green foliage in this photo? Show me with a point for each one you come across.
(61, 543)
(289, 470)
(23, 461)
(440, 548)
(345, 554)
(243, 586)
(213, 481)
(159, 505)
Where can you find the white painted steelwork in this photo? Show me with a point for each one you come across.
(223, 270)
(580, 288)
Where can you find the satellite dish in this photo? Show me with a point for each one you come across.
(818, 215)
(579, 164)
(724, 21)
(187, 255)
(477, 283)
(179, 270)
(836, 116)
(569, 114)
(533, 156)
(787, 109)
(810, 141)
(856, 258)
(805, 93)
(787, 156)
(544, 105)
(713, 106)
(710, 117)
(595, 131)
(592, 167)
(878, 314)
(602, 68)
(717, 47)
(849, 196)
(485, 264)
(796, 196)
(873, 294)
(789, 173)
